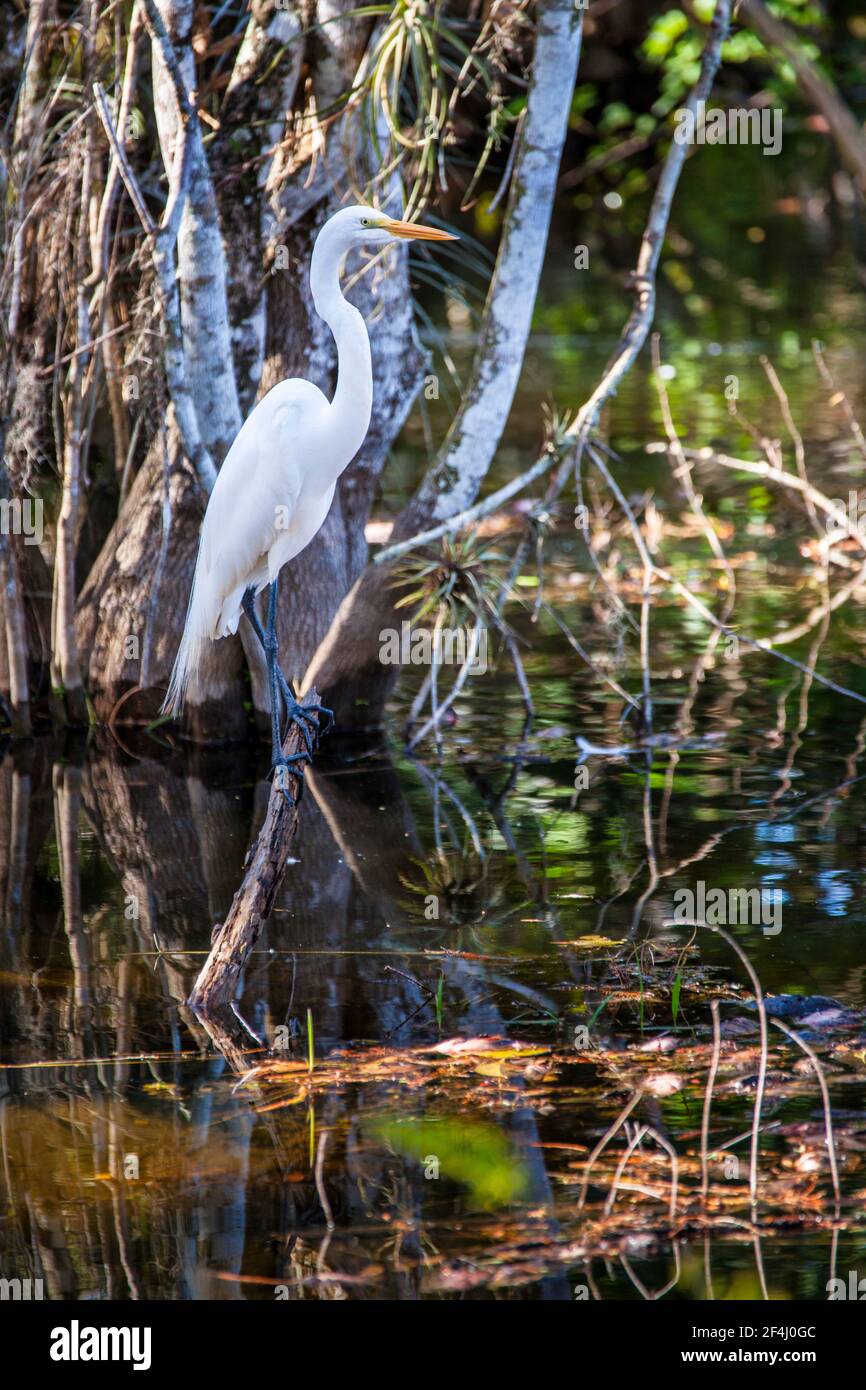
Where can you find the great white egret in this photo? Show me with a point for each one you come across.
(276, 485)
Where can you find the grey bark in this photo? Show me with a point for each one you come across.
(201, 268)
(346, 667)
(278, 335)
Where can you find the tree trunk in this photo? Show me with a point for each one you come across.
(14, 669)
(254, 113)
(276, 334)
(65, 665)
(346, 667)
(114, 604)
(134, 564)
(201, 267)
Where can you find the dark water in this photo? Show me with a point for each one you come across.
(477, 898)
(108, 1074)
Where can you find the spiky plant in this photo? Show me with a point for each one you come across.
(459, 580)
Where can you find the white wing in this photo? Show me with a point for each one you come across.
(253, 503)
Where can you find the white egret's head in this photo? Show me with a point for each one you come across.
(351, 228)
(368, 226)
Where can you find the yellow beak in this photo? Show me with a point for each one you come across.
(415, 231)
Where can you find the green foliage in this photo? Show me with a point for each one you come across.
(423, 63)
(671, 49)
(461, 579)
(471, 1152)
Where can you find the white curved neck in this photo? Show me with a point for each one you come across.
(352, 404)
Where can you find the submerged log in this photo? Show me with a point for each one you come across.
(217, 985)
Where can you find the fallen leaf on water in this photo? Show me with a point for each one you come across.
(473, 1152)
(823, 1019)
(664, 1044)
(590, 943)
(663, 1084)
(496, 1047)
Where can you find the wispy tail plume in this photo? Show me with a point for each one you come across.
(196, 635)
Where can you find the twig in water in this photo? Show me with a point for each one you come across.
(642, 1288)
(320, 1178)
(796, 437)
(762, 1023)
(584, 656)
(604, 1141)
(839, 398)
(825, 1097)
(220, 976)
(675, 1168)
(621, 1166)
(683, 471)
(708, 1099)
(421, 987)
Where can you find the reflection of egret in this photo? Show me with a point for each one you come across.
(275, 487)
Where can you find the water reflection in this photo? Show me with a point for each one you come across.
(486, 897)
(482, 898)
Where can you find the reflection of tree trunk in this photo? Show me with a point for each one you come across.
(25, 626)
(15, 793)
(353, 809)
(65, 664)
(201, 265)
(177, 843)
(49, 1241)
(14, 651)
(118, 1143)
(25, 821)
(66, 782)
(220, 1215)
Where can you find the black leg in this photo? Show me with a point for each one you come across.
(300, 712)
(279, 760)
(248, 604)
(277, 686)
(273, 689)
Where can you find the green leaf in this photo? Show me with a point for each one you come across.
(471, 1152)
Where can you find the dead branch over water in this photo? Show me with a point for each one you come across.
(218, 983)
(616, 1189)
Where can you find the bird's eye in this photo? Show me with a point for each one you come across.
(365, 221)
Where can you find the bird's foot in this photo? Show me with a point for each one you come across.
(298, 711)
(305, 718)
(283, 765)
